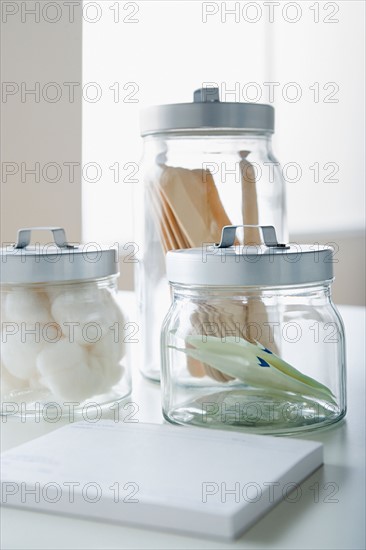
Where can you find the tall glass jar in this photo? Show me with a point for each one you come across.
(206, 164)
(62, 329)
(253, 340)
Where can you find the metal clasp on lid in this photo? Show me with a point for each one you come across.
(59, 236)
(228, 235)
(206, 95)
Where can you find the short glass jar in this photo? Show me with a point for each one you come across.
(253, 340)
(62, 329)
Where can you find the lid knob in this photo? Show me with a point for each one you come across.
(206, 95)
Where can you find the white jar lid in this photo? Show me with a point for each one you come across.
(58, 261)
(207, 112)
(268, 264)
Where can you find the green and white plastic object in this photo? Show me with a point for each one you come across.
(270, 264)
(254, 365)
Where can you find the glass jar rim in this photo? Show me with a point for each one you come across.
(250, 288)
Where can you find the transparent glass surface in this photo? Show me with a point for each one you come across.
(194, 184)
(262, 360)
(62, 346)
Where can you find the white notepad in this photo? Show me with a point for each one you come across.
(192, 480)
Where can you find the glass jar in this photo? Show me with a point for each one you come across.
(253, 340)
(206, 164)
(62, 341)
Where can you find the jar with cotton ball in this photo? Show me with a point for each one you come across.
(62, 328)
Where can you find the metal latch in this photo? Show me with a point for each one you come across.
(59, 236)
(228, 235)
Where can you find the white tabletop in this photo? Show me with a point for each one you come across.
(329, 514)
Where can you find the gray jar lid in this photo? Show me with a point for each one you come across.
(268, 264)
(207, 112)
(55, 262)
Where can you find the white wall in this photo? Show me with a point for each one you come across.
(159, 52)
(315, 130)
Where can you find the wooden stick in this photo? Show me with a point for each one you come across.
(164, 239)
(255, 311)
(190, 213)
(249, 201)
(195, 203)
(172, 223)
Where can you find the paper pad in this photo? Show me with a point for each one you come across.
(193, 480)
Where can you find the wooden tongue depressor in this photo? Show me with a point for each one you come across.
(256, 318)
(193, 214)
(250, 320)
(225, 322)
(249, 200)
(236, 319)
(173, 224)
(190, 211)
(195, 203)
(160, 221)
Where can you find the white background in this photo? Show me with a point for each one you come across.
(174, 47)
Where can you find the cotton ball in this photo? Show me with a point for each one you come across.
(64, 369)
(111, 346)
(108, 351)
(85, 306)
(10, 383)
(53, 291)
(113, 315)
(3, 297)
(19, 352)
(27, 306)
(50, 333)
(111, 373)
(35, 383)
